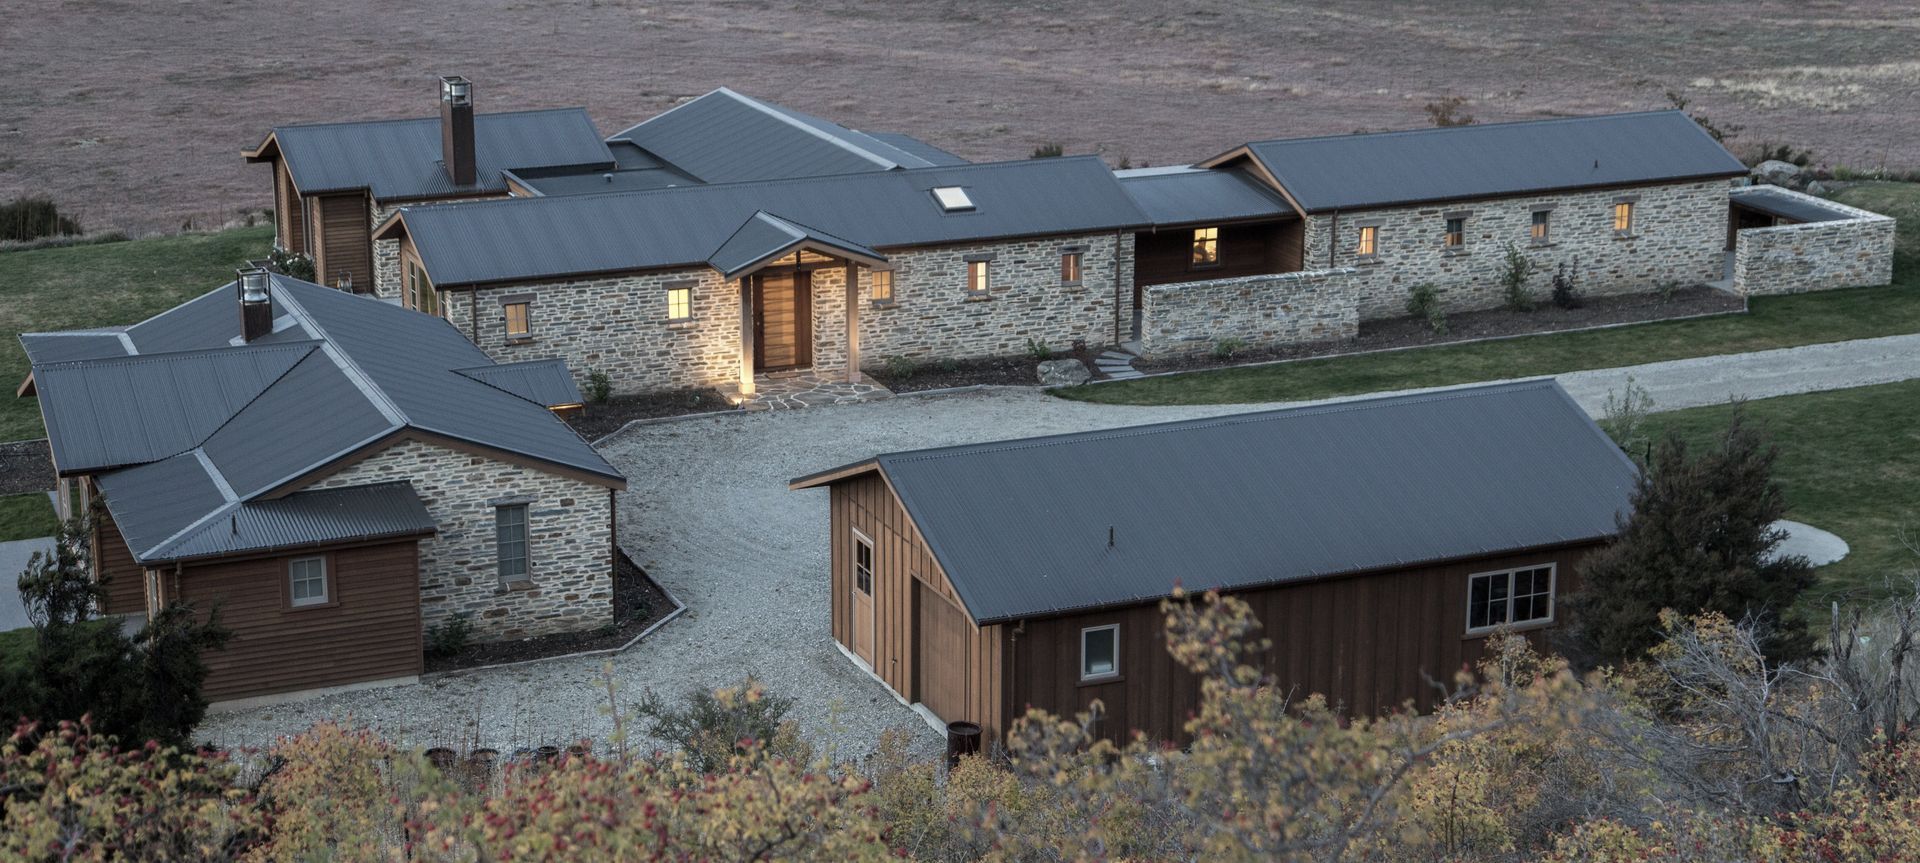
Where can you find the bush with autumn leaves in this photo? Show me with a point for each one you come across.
(1704, 751)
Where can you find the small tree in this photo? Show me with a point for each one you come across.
(1566, 289)
(1515, 270)
(1423, 303)
(1624, 415)
(1700, 539)
(1449, 111)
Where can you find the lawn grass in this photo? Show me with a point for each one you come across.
(1849, 463)
(27, 516)
(101, 285)
(1771, 322)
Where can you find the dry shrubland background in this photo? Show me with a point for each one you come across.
(132, 114)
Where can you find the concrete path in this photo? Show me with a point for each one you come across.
(1818, 546)
(13, 561)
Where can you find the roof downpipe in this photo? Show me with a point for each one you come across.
(456, 129)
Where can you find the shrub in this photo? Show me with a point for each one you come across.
(32, 218)
(715, 725)
(1566, 291)
(1624, 415)
(1048, 150)
(451, 636)
(901, 368)
(1666, 289)
(1768, 152)
(293, 264)
(1515, 269)
(1423, 303)
(1449, 111)
(1224, 349)
(1038, 350)
(599, 386)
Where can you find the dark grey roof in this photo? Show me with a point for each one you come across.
(76, 345)
(547, 382)
(634, 170)
(765, 237)
(207, 425)
(1776, 201)
(308, 518)
(1344, 172)
(908, 143)
(400, 159)
(1021, 527)
(727, 137)
(1189, 195)
(508, 240)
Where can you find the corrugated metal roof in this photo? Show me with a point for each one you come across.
(727, 137)
(1200, 195)
(1776, 201)
(547, 383)
(908, 143)
(308, 518)
(491, 241)
(219, 423)
(75, 345)
(1344, 172)
(1021, 527)
(765, 237)
(400, 159)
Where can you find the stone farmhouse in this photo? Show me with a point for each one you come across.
(334, 473)
(728, 238)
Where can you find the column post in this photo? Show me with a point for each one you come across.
(746, 337)
(853, 322)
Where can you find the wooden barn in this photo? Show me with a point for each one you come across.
(1380, 542)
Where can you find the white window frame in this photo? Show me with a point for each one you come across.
(953, 199)
(294, 579)
(1085, 675)
(1553, 596)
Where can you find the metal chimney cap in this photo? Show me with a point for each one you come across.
(456, 90)
(254, 282)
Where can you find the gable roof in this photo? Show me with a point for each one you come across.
(533, 238)
(1187, 195)
(766, 237)
(1345, 172)
(186, 425)
(1021, 527)
(728, 137)
(544, 382)
(400, 159)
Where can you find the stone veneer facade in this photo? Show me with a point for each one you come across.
(1679, 234)
(1186, 318)
(618, 324)
(569, 550)
(1815, 256)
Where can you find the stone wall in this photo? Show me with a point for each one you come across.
(1679, 234)
(1186, 318)
(569, 554)
(1815, 256)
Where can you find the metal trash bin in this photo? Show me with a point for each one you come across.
(963, 738)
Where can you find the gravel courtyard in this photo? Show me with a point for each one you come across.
(709, 515)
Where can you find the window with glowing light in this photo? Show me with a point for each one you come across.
(1206, 247)
(519, 320)
(1369, 244)
(1623, 218)
(882, 287)
(680, 303)
(978, 280)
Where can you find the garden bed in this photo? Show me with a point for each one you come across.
(945, 374)
(1491, 323)
(604, 418)
(637, 604)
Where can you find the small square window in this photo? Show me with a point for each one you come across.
(1623, 218)
(1456, 237)
(1100, 652)
(882, 287)
(1070, 268)
(1541, 231)
(1206, 247)
(510, 541)
(680, 303)
(1369, 244)
(307, 581)
(978, 281)
(519, 320)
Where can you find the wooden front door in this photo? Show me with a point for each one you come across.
(782, 321)
(863, 597)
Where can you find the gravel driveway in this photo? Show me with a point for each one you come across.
(709, 515)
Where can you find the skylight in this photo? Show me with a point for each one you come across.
(953, 199)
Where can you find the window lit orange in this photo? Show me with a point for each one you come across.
(1206, 247)
(977, 279)
(1369, 242)
(1070, 267)
(883, 286)
(1623, 217)
(519, 323)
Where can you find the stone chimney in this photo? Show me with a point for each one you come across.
(256, 302)
(456, 129)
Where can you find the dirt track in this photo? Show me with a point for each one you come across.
(133, 113)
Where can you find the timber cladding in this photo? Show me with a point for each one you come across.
(125, 581)
(342, 240)
(368, 630)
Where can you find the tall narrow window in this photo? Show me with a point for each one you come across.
(1206, 247)
(1456, 236)
(519, 321)
(1369, 244)
(1100, 652)
(882, 287)
(510, 541)
(307, 581)
(1513, 597)
(1623, 218)
(1070, 268)
(1541, 232)
(977, 279)
(863, 565)
(679, 303)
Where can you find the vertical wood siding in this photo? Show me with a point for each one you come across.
(342, 241)
(1165, 256)
(289, 213)
(126, 582)
(370, 632)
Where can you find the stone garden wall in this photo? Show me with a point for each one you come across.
(1850, 252)
(569, 553)
(1187, 318)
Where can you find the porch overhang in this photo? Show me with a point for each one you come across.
(765, 239)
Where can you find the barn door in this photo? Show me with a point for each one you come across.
(863, 597)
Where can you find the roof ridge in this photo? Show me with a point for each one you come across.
(835, 140)
(355, 374)
(1542, 121)
(428, 119)
(311, 346)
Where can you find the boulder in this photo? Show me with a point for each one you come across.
(1781, 174)
(1815, 187)
(1064, 373)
